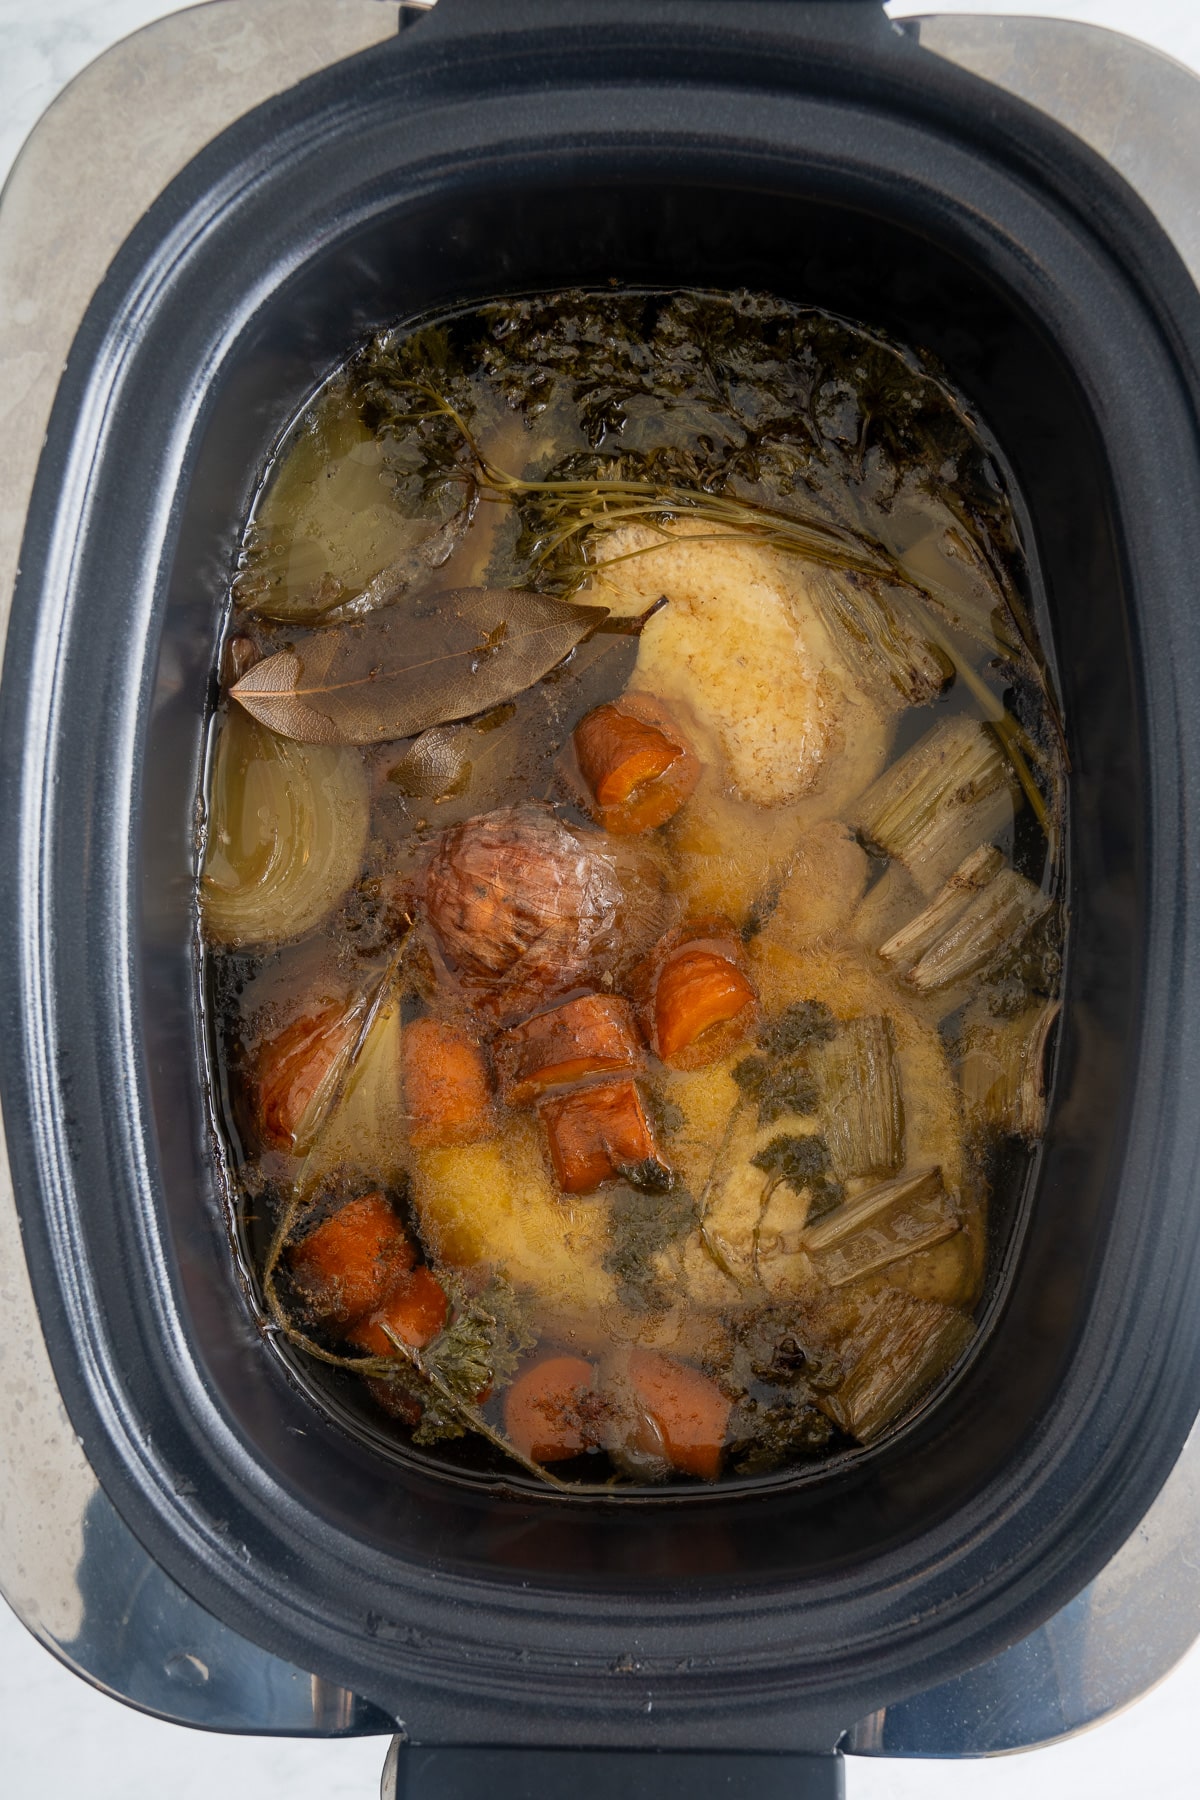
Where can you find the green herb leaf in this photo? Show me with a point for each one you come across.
(799, 1027)
(764, 1437)
(801, 1163)
(778, 1088)
(642, 1225)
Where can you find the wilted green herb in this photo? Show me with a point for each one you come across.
(766, 1437)
(780, 1081)
(478, 1351)
(641, 1226)
(649, 1177)
(800, 1027)
(778, 1088)
(802, 1163)
(773, 1345)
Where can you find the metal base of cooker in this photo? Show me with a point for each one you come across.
(69, 1566)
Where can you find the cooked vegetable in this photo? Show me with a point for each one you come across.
(520, 905)
(428, 550)
(414, 1310)
(545, 1409)
(596, 1034)
(287, 830)
(466, 651)
(447, 1089)
(991, 923)
(702, 1002)
(637, 764)
(909, 944)
(953, 791)
(300, 1072)
(345, 1266)
(599, 1132)
(862, 1110)
(328, 526)
(690, 1411)
(364, 1126)
(877, 631)
(1004, 1069)
(881, 1227)
(899, 1348)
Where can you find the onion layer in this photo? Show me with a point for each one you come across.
(286, 834)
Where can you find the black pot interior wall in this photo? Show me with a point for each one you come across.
(519, 238)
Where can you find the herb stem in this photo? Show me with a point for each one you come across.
(470, 1414)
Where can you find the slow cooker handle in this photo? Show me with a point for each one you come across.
(509, 1773)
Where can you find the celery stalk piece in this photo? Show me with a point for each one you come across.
(861, 1107)
(1003, 1070)
(953, 791)
(901, 1346)
(914, 1190)
(882, 1227)
(909, 944)
(991, 924)
(878, 636)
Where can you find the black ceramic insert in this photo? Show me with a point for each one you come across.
(506, 146)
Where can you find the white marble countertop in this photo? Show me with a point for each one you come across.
(59, 1736)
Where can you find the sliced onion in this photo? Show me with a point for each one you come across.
(287, 828)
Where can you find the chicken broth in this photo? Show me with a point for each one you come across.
(632, 886)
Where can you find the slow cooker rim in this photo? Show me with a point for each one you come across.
(58, 420)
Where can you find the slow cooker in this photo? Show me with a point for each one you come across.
(192, 1532)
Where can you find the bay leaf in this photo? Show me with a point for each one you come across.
(396, 674)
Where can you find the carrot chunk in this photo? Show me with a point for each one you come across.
(596, 1034)
(596, 1133)
(703, 1004)
(292, 1066)
(636, 763)
(447, 1092)
(545, 1409)
(690, 1411)
(347, 1265)
(415, 1311)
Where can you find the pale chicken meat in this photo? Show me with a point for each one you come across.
(741, 648)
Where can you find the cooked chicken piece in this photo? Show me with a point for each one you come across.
(730, 857)
(495, 1203)
(824, 883)
(741, 648)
